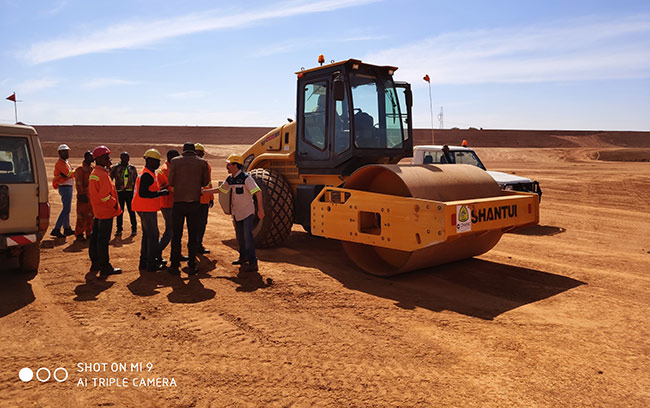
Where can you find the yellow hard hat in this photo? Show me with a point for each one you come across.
(152, 154)
(199, 146)
(235, 158)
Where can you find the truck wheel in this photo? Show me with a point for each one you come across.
(30, 257)
(275, 227)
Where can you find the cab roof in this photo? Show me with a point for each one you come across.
(341, 63)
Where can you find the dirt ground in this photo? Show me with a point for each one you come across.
(554, 315)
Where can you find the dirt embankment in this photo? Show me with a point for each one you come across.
(137, 139)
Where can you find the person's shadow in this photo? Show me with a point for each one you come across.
(150, 283)
(93, 286)
(119, 240)
(249, 281)
(77, 246)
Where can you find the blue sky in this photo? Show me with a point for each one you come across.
(493, 64)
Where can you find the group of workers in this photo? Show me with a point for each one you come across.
(181, 190)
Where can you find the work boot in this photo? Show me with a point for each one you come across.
(134, 231)
(57, 234)
(249, 267)
(204, 251)
(94, 268)
(80, 238)
(110, 271)
(173, 270)
(184, 258)
(68, 231)
(155, 268)
(118, 232)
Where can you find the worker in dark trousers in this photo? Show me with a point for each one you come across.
(187, 175)
(167, 202)
(242, 188)
(207, 201)
(105, 204)
(146, 202)
(124, 175)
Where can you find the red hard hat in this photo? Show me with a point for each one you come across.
(100, 151)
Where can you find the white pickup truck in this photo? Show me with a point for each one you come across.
(437, 154)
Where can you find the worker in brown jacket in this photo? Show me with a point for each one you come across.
(84, 209)
(188, 173)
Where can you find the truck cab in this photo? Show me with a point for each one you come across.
(444, 154)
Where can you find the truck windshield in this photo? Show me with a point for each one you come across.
(15, 161)
(377, 120)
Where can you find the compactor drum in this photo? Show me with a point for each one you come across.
(439, 183)
(334, 171)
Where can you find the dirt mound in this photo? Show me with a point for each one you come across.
(533, 138)
(625, 155)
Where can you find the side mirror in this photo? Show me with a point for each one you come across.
(338, 89)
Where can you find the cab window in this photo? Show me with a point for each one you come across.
(15, 161)
(342, 126)
(315, 114)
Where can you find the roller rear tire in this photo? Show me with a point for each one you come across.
(275, 227)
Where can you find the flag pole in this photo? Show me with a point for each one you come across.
(431, 109)
(15, 109)
(426, 78)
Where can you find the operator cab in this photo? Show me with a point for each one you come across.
(350, 114)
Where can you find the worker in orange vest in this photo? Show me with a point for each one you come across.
(104, 200)
(207, 201)
(63, 181)
(84, 210)
(146, 202)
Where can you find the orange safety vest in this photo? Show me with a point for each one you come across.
(140, 204)
(61, 167)
(163, 179)
(103, 196)
(207, 197)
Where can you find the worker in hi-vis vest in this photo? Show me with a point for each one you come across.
(103, 199)
(63, 181)
(242, 188)
(146, 202)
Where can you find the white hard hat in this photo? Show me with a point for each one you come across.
(63, 147)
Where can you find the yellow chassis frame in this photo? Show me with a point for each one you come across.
(409, 224)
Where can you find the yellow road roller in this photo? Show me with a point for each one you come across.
(334, 170)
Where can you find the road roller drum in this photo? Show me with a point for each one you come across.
(402, 217)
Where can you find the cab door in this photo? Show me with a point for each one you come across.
(313, 144)
(405, 103)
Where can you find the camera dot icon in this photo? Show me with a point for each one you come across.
(26, 374)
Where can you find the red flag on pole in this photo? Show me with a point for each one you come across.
(12, 97)
(426, 78)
